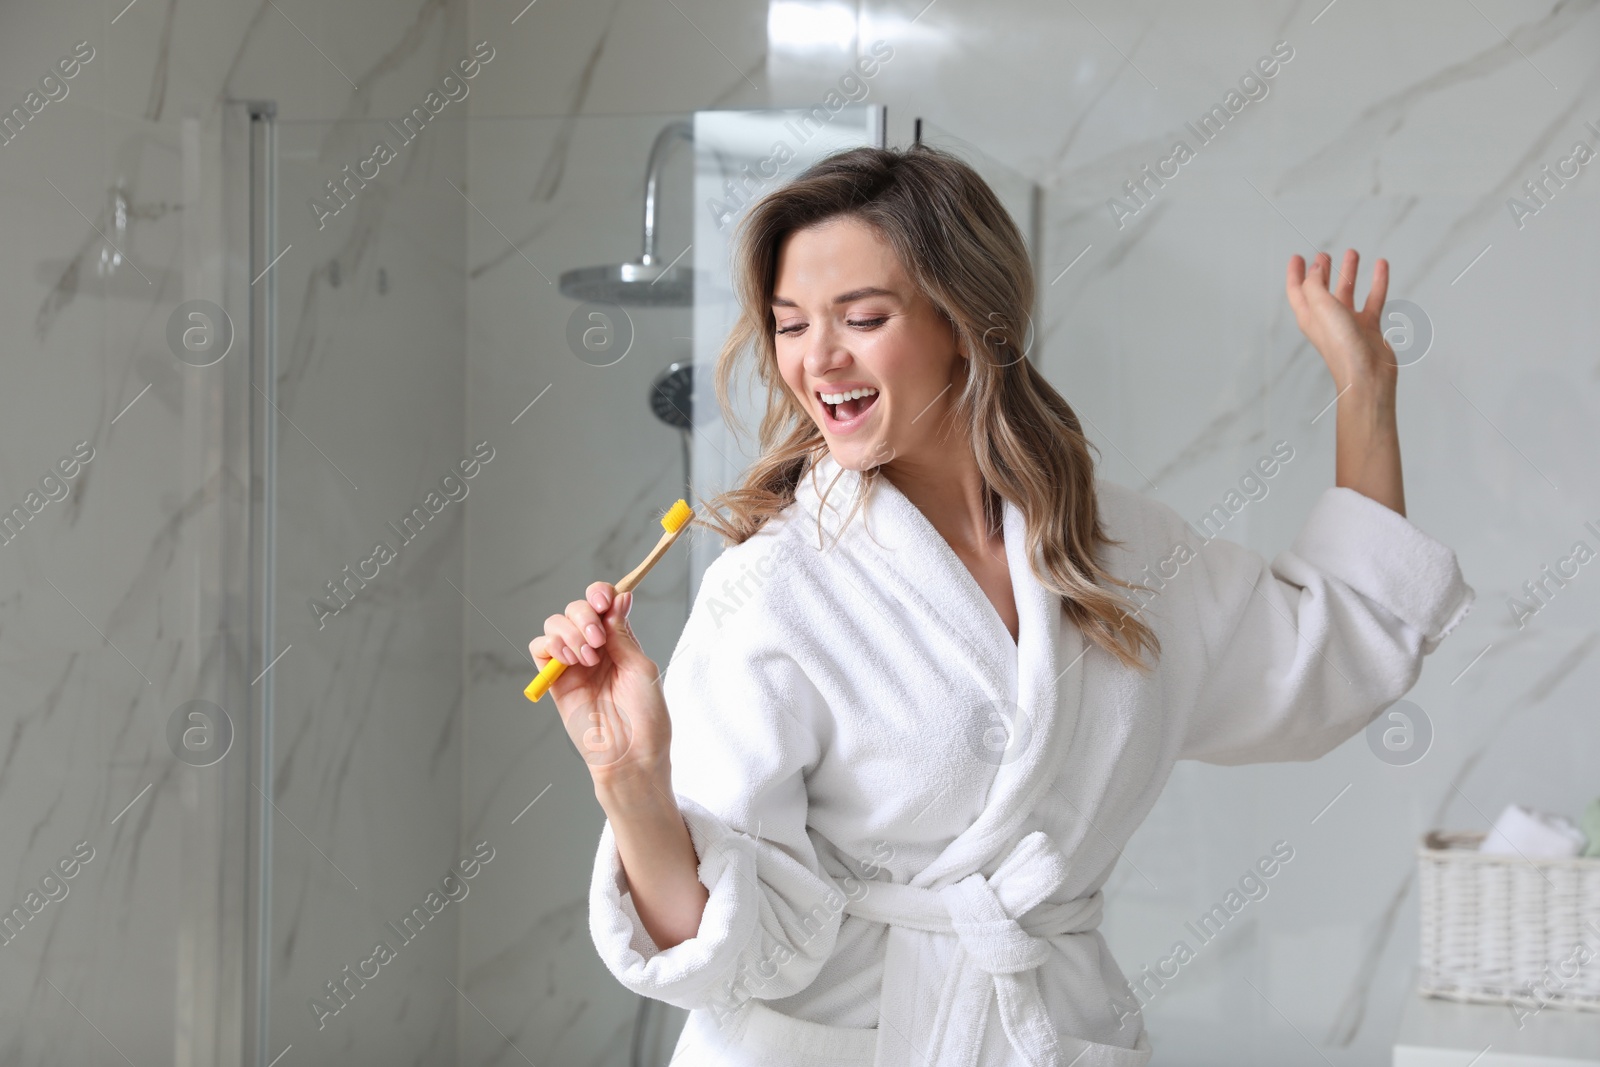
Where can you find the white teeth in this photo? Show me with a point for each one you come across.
(839, 398)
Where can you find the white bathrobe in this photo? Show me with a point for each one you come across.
(903, 818)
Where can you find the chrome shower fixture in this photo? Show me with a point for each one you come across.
(646, 283)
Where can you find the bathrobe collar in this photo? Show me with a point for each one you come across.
(1040, 676)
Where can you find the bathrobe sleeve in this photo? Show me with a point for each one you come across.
(1301, 656)
(745, 731)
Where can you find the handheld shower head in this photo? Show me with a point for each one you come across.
(672, 396)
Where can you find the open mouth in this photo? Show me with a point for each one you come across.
(846, 413)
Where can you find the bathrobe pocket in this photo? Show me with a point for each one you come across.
(1095, 1054)
(762, 1037)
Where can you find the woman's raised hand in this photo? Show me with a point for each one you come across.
(609, 696)
(1351, 342)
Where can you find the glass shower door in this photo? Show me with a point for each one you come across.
(739, 157)
(429, 832)
(359, 799)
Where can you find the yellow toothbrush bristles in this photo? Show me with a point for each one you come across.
(676, 516)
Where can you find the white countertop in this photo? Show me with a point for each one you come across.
(1447, 1033)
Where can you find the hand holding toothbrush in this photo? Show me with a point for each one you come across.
(607, 693)
(612, 705)
(615, 714)
(608, 697)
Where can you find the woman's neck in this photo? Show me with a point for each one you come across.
(949, 491)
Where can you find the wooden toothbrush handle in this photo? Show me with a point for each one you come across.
(552, 670)
(636, 575)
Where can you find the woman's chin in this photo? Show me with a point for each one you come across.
(859, 456)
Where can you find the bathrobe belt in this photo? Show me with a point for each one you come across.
(1002, 925)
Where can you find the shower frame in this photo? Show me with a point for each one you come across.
(230, 431)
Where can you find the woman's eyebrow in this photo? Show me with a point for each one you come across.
(842, 298)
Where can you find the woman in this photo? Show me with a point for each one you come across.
(904, 752)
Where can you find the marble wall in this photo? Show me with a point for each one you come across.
(112, 196)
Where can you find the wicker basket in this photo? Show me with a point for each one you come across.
(1503, 929)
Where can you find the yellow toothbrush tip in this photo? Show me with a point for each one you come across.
(676, 516)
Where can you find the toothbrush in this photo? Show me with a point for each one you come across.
(675, 521)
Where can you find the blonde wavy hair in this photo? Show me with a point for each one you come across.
(963, 251)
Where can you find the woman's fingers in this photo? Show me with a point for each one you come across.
(576, 637)
(1345, 291)
(539, 649)
(624, 651)
(591, 628)
(1303, 276)
(1317, 274)
(1379, 291)
(1293, 280)
(566, 641)
(602, 595)
(545, 649)
(622, 645)
(579, 635)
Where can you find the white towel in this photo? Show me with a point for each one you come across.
(889, 886)
(1533, 834)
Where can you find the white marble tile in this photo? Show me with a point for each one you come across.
(369, 718)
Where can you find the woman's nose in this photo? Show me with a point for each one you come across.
(826, 352)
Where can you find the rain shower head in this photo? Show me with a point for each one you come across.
(631, 284)
(645, 283)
